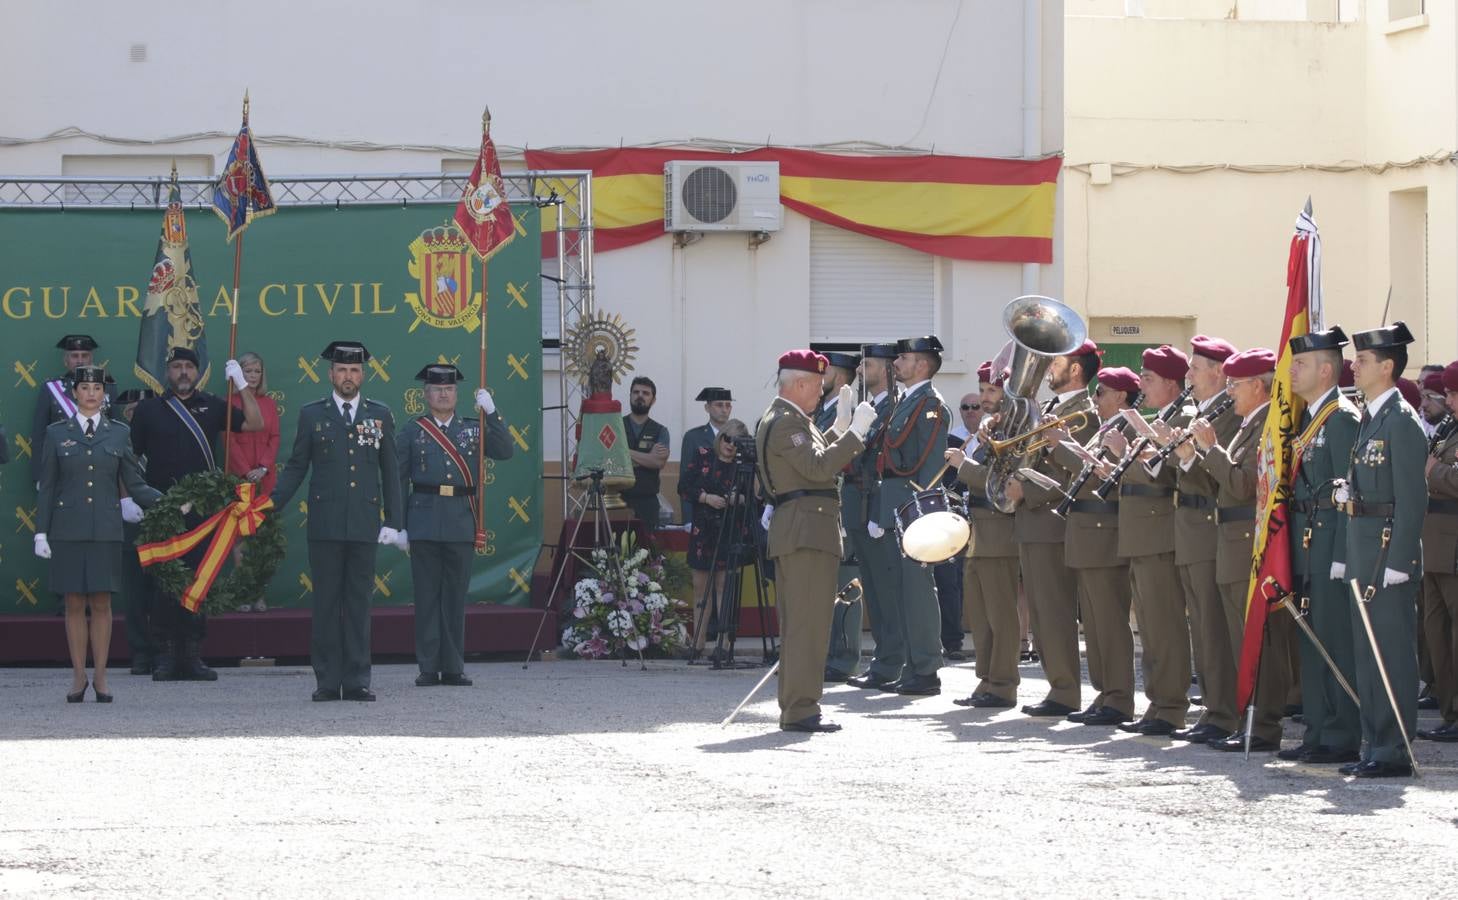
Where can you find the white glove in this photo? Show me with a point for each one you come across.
(764, 517)
(185, 508)
(131, 512)
(42, 546)
(402, 540)
(235, 374)
(484, 401)
(388, 535)
(1392, 577)
(843, 409)
(1341, 493)
(1338, 571)
(874, 530)
(862, 418)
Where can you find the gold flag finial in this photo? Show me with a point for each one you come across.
(245, 104)
(486, 120)
(174, 171)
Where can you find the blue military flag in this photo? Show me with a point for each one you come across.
(172, 316)
(242, 193)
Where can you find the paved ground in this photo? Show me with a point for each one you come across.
(581, 779)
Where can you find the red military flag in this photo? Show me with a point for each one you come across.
(484, 215)
(1276, 467)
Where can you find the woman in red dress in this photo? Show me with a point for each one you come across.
(252, 454)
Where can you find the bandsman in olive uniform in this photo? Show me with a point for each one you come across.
(992, 568)
(798, 469)
(912, 449)
(54, 401)
(346, 444)
(844, 657)
(1050, 583)
(878, 560)
(1234, 468)
(1440, 568)
(1321, 453)
(1384, 498)
(719, 404)
(438, 454)
(1147, 541)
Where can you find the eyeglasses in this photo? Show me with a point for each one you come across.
(968, 406)
(1232, 382)
(726, 438)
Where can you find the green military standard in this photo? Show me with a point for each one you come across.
(1322, 452)
(1440, 567)
(844, 657)
(798, 469)
(346, 444)
(438, 455)
(912, 450)
(1385, 499)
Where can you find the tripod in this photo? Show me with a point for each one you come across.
(611, 567)
(733, 546)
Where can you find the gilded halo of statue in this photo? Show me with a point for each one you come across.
(599, 351)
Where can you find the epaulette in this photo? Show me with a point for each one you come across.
(319, 402)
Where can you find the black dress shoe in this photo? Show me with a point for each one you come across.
(141, 665)
(1048, 709)
(1325, 756)
(325, 694)
(1374, 769)
(1105, 716)
(1443, 734)
(1201, 734)
(1132, 726)
(427, 679)
(454, 679)
(1350, 768)
(812, 725)
(985, 700)
(870, 681)
(1427, 700)
(1082, 713)
(918, 686)
(78, 696)
(364, 695)
(1236, 744)
(102, 696)
(1157, 728)
(1294, 754)
(835, 676)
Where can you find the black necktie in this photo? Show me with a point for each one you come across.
(90, 427)
(347, 419)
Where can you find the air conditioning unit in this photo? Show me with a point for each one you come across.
(721, 196)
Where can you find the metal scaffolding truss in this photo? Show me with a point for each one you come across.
(568, 192)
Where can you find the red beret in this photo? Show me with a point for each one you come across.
(804, 360)
(1433, 381)
(1214, 348)
(1167, 361)
(1410, 392)
(1349, 378)
(1087, 347)
(984, 374)
(1450, 377)
(1119, 378)
(1250, 363)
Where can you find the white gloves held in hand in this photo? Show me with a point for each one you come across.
(235, 374)
(764, 517)
(862, 418)
(1338, 571)
(131, 512)
(874, 530)
(1392, 577)
(389, 536)
(484, 401)
(843, 409)
(42, 546)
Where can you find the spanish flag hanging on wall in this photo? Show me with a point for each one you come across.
(962, 207)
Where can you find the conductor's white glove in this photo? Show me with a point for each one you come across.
(1338, 571)
(874, 530)
(235, 374)
(484, 401)
(388, 535)
(843, 409)
(402, 540)
(1392, 577)
(862, 418)
(42, 546)
(764, 517)
(131, 512)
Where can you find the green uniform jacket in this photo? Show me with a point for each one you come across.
(354, 476)
(79, 476)
(1326, 458)
(861, 487)
(48, 411)
(432, 516)
(795, 456)
(1440, 529)
(1387, 467)
(1234, 469)
(916, 431)
(1034, 521)
(1195, 535)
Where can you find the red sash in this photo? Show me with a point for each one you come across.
(427, 425)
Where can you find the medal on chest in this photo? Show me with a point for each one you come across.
(1374, 453)
(369, 432)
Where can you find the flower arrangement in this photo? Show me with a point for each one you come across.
(621, 606)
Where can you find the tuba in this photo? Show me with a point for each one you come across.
(1041, 328)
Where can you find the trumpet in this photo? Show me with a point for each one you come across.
(1073, 421)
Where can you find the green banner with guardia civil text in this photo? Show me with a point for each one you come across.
(398, 279)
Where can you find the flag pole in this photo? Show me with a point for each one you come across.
(481, 432)
(237, 275)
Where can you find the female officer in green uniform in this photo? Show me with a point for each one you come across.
(84, 460)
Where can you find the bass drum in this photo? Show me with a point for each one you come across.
(932, 527)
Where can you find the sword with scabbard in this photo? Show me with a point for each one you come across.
(1363, 598)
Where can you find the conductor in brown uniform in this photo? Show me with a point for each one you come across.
(798, 466)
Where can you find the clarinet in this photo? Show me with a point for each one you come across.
(1102, 491)
(1441, 433)
(1118, 423)
(1215, 412)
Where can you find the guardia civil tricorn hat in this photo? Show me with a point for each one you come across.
(713, 394)
(1331, 339)
(89, 375)
(840, 360)
(345, 352)
(76, 342)
(927, 344)
(436, 373)
(880, 351)
(1394, 335)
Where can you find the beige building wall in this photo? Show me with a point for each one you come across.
(1193, 143)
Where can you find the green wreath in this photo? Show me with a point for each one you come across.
(210, 492)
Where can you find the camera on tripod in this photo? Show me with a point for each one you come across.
(745, 453)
